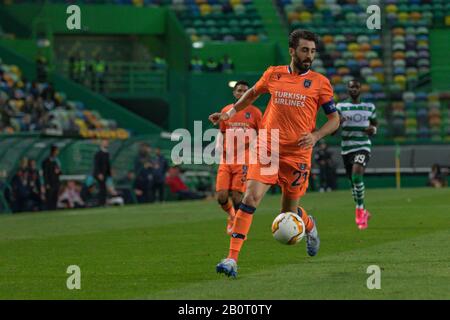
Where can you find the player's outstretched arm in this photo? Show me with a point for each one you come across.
(247, 99)
(308, 140)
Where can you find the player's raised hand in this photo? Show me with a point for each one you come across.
(307, 140)
(216, 117)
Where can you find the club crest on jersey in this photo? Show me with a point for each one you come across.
(247, 115)
(307, 83)
(302, 166)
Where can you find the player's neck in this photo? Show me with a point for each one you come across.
(356, 100)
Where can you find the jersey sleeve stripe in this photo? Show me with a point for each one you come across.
(353, 138)
(353, 128)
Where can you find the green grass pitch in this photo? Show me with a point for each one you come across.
(169, 251)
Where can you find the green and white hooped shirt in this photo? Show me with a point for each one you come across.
(355, 119)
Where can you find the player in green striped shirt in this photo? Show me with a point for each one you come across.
(358, 123)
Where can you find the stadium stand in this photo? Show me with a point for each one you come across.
(394, 67)
(392, 74)
(416, 114)
(233, 20)
(36, 107)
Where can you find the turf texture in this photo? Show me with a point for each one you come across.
(169, 251)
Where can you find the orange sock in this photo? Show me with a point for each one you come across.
(228, 208)
(241, 227)
(309, 223)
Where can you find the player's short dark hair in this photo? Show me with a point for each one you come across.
(298, 34)
(241, 83)
(53, 148)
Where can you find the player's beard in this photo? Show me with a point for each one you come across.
(299, 64)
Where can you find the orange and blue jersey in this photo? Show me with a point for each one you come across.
(293, 106)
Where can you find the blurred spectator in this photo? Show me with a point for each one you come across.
(41, 68)
(35, 187)
(211, 65)
(80, 69)
(102, 170)
(327, 170)
(226, 64)
(160, 166)
(100, 69)
(20, 189)
(88, 193)
(437, 178)
(178, 187)
(6, 112)
(159, 64)
(128, 179)
(143, 156)
(125, 186)
(114, 196)
(196, 65)
(70, 197)
(48, 93)
(143, 186)
(72, 60)
(51, 170)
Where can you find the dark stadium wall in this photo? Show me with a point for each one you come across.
(155, 44)
(100, 19)
(9, 56)
(178, 55)
(440, 67)
(154, 109)
(24, 47)
(276, 29)
(10, 25)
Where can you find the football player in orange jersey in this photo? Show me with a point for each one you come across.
(231, 177)
(297, 94)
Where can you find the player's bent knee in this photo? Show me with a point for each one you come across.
(251, 200)
(222, 197)
(236, 197)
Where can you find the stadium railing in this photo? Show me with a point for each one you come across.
(124, 78)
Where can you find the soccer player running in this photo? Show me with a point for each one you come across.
(358, 123)
(297, 93)
(231, 177)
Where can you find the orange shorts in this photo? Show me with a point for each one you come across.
(290, 175)
(231, 177)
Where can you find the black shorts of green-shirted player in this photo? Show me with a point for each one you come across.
(358, 124)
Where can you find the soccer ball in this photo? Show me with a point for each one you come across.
(288, 228)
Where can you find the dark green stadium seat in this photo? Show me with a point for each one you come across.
(235, 31)
(249, 31)
(233, 23)
(245, 23)
(224, 31)
(210, 23)
(201, 31)
(257, 24)
(197, 23)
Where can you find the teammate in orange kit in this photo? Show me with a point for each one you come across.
(297, 93)
(231, 177)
